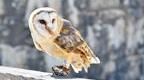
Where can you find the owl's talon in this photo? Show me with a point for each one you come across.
(60, 71)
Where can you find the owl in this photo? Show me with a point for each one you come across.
(57, 37)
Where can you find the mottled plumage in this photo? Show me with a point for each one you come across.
(57, 37)
(68, 39)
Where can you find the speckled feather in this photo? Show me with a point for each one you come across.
(71, 41)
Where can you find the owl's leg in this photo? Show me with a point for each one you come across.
(61, 70)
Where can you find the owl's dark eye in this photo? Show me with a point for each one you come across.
(42, 21)
(53, 20)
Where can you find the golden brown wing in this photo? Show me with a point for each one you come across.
(71, 41)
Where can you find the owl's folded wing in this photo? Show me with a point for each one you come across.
(70, 40)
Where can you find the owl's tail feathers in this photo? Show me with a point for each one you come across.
(80, 61)
(92, 60)
(95, 60)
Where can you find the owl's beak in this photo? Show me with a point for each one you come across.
(49, 30)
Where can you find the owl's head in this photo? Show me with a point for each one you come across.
(44, 21)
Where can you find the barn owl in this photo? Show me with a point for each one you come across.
(57, 37)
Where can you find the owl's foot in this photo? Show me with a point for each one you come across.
(60, 70)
